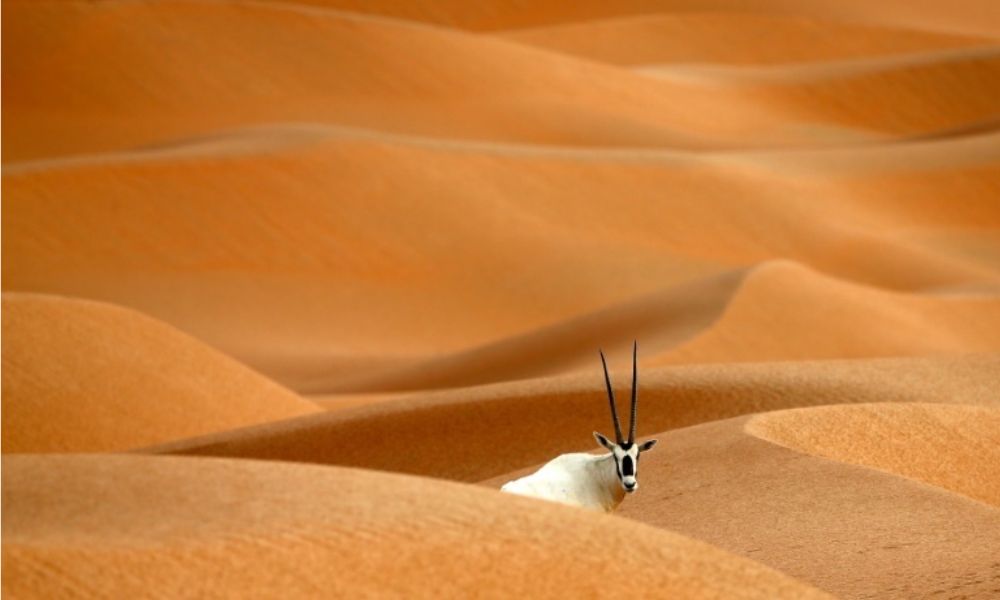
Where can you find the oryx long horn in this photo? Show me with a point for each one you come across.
(611, 398)
(635, 393)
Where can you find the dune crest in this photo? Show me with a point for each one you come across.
(918, 95)
(518, 424)
(664, 319)
(733, 38)
(778, 310)
(849, 530)
(258, 281)
(955, 447)
(784, 311)
(349, 69)
(960, 16)
(86, 376)
(211, 527)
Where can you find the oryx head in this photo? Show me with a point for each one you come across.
(626, 452)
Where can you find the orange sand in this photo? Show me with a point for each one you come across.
(953, 447)
(734, 39)
(259, 282)
(82, 376)
(849, 530)
(81, 525)
(815, 518)
(154, 78)
(962, 16)
(391, 236)
(552, 415)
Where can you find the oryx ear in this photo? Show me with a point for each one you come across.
(646, 445)
(603, 441)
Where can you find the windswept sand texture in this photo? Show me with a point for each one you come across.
(959, 16)
(81, 376)
(332, 532)
(953, 447)
(506, 426)
(735, 39)
(291, 287)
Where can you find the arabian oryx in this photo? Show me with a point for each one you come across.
(598, 482)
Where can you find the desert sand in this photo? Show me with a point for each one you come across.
(330, 531)
(291, 288)
(90, 377)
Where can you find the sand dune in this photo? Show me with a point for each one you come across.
(899, 165)
(819, 314)
(507, 426)
(154, 76)
(733, 38)
(733, 318)
(954, 447)
(566, 346)
(961, 16)
(200, 527)
(814, 72)
(428, 217)
(919, 95)
(344, 401)
(851, 531)
(86, 376)
(259, 282)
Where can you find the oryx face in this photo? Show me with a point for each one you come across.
(626, 459)
(626, 452)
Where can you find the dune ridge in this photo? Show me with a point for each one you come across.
(85, 376)
(963, 17)
(202, 84)
(896, 208)
(723, 322)
(963, 146)
(823, 314)
(558, 348)
(909, 96)
(849, 530)
(512, 425)
(953, 447)
(819, 72)
(302, 526)
(734, 38)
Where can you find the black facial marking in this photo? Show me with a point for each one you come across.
(627, 467)
(625, 446)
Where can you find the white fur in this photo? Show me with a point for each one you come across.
(584, 480)
(587, 480)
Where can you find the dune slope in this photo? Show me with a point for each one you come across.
(86, 376)
(961, 16)
(507, 426)
(177, 68)
(920, 95)
(776, 311)
(665, 319)
(953, 447)
(733, 38)
(852, 531)
(784, 312)
(307, 287)
(214, 527)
